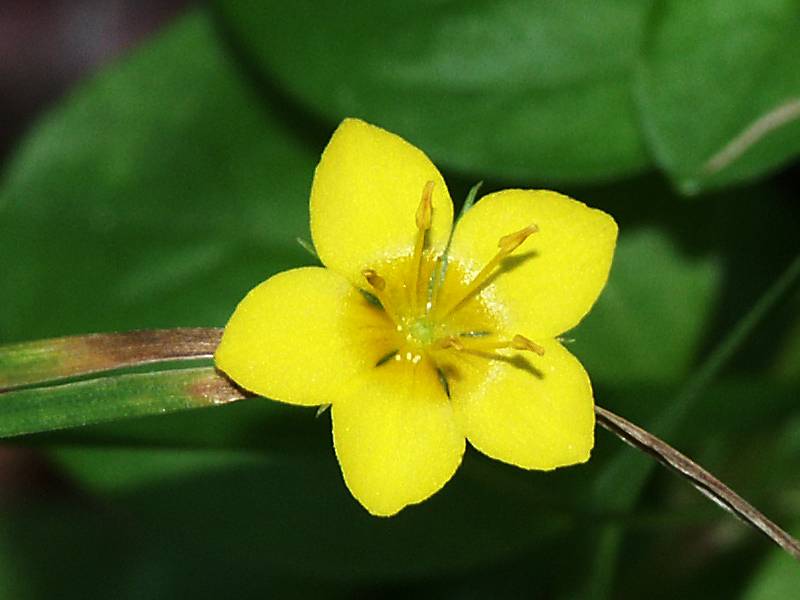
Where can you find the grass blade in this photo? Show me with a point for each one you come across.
(40, 361)
(111, 398)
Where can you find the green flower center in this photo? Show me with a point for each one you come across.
(422, 330)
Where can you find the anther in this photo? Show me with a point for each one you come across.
(451, 342)
(512, 241)
(425, 209)
(520, 342)
(375, 280)
(378, 285)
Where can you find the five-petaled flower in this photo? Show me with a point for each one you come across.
(419, 338)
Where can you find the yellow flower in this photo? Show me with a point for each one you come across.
(416, 352)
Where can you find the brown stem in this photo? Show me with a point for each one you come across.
(704, 481)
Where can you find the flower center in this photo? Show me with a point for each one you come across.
(434, 311)
(422, 330)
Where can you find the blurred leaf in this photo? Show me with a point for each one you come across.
(777, 579)
(787, 365)
(296, 516)
(111, 398)
(509, 88)
(155, 196)
(641, 329)
(163, 190)
(719, 89)
(66, 553)
(71, 548)
(762, 407)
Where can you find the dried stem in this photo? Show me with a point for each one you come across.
(701, 479)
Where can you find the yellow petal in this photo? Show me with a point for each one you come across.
(397, 440)
(367, 188)
(299, 337)
(533, 412)
(551, 281)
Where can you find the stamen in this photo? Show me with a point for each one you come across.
(378, 285)
(512, 241)
(507, 244)
(518, 342)
(450, 342)
(377, 282)
(424, 218)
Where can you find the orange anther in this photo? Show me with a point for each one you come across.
(425, 209)
(512, 241)
(375, 280)
(520, 342)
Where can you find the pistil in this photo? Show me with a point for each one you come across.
(424, 218)
(507, 244)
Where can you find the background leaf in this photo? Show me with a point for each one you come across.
(539, 91)
(640, 330)
(778, 578)
(162, 190)
(156, 196)
(294, 515)
(719, 89)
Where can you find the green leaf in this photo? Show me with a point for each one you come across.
(787, 364)
(155, 196)
(641, 328)
(74, 549)
(719, 89)
(507, 88)
(778, 578)
(110, 398)
(296, 516)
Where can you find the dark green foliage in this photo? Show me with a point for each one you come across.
(159, 192)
